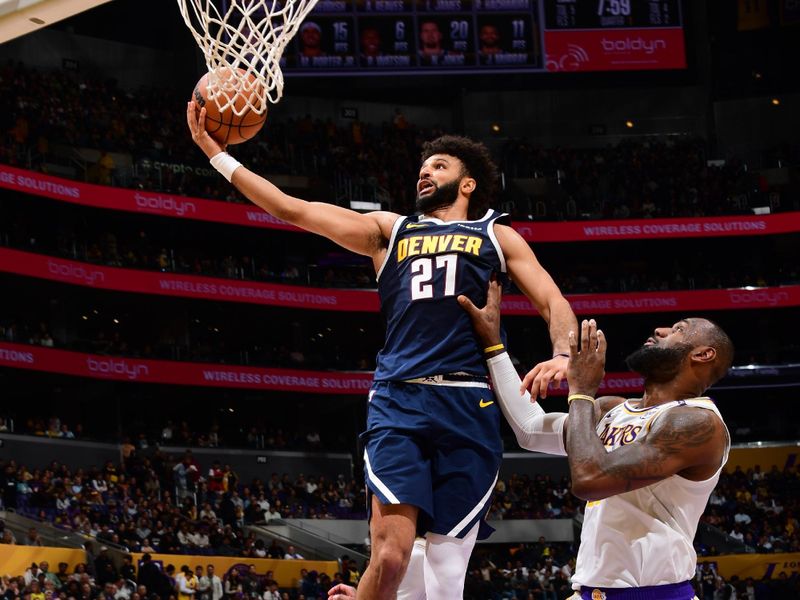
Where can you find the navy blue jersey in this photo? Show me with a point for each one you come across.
(428, 264)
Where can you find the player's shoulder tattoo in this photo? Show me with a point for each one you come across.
(605, 404)
(684, 428)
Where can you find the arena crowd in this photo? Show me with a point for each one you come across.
(634, 179)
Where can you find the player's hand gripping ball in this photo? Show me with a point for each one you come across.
(227, 127)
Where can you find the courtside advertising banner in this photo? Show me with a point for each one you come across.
(757, 566)
(139, 201)
(615, 49)
(14, 560)
(120, 368)
(287, 572)
(184, 286)
(181, 207)
(273, 294)
(767, 457)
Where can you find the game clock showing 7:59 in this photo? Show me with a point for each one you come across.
(599, 14)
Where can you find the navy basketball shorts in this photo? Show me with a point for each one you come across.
(436, 446)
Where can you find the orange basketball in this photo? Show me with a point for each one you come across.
(227, 127)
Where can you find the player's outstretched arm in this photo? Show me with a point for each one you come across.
(537, 284)
(364, 234)
(534, 429)
(683, 440)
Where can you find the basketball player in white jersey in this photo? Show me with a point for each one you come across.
(645, 466)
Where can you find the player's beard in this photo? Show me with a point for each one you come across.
(657, 364)
(443, 196)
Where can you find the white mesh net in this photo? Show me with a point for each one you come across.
(242, 42)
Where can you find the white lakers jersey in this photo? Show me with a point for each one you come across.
(643, 537)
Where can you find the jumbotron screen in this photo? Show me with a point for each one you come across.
(385, 37)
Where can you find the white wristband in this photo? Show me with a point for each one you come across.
(225, 164)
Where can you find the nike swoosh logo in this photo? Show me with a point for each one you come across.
(415, 225)
(484, 404)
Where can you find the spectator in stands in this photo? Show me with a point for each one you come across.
(215, 478)
(44, 570)
(36, 592)
(185, 475)
(272, 592)
(275, 550)
(251, 583)
(203, 591)
(149, 575)
(214, 583)
(32, 538)
(311, 586)
(62, 575)
(736, 533)
(273, 513)
(105, 571)
(31, 574)
(292, 553)
(741, 517)
(708, 580)
(234, 589)
(127, 570)
(12, 588)
(547, 578)
(186, 583)
(119, 590)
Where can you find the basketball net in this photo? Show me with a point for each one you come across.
(242, 42)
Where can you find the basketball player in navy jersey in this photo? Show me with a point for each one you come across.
(432, 443)
(646, 466)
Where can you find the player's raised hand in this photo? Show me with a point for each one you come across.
(539, 378)
(197, 126)
(486, 320)
(587, 359)
(341, 592)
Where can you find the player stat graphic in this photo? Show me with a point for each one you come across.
(441, 36)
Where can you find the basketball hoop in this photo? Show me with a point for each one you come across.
(242, 42)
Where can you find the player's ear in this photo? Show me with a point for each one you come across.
(468, 185)
(704, 354)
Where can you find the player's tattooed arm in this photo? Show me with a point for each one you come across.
(684, 440)
(680, 440)
(603, 404)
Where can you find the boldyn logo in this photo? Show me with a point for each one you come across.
(111, 366)
(759, 297)
(164, 204)
(570, 60)
(628, 44)
(70, 271)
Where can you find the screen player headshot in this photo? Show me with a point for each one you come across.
(311, 40)
(430, 43)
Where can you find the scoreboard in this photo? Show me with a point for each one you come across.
(599, 14)
(385, 37)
